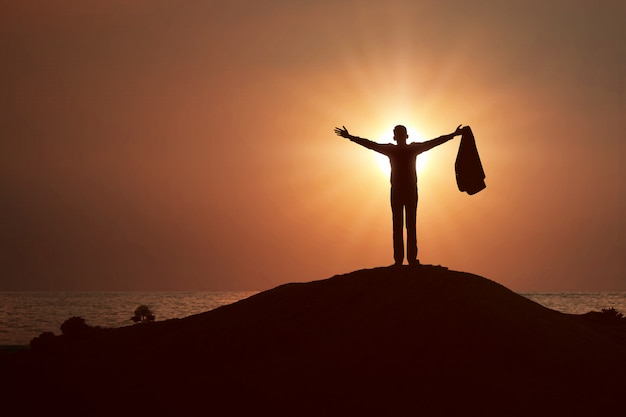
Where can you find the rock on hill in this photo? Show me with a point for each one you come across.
(384, 341)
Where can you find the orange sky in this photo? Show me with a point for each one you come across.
(158, 145)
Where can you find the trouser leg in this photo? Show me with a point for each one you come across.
(397, 219)
(411, 229)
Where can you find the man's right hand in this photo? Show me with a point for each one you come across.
(343, 132)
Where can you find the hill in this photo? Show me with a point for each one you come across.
(383, 341)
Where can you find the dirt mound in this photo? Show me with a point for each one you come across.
(396, 340)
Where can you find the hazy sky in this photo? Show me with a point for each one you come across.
(189, 145)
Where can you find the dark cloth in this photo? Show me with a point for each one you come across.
(404, 205)
(470, 176)
(401, 158)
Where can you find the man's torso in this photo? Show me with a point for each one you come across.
(402, 159)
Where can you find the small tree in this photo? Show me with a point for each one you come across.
(606, 316)
(143, 314)
(44, 342)
(611, 315)
(75, 327)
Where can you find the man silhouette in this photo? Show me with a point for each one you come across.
(402, 157)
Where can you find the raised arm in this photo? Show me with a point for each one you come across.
(343, 132)
(429, 144)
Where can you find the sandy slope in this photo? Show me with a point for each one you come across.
(385, 341)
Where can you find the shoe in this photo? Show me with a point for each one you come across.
(415, 263)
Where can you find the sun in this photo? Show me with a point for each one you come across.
(387, 137)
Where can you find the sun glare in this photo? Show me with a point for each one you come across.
(387, 137)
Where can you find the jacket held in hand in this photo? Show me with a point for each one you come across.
(470, 176)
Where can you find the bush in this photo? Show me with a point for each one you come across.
(143, 314)
(44, 342)
(611, 315)
(607, 316)
(75, 327)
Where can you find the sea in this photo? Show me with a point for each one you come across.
(25, 315)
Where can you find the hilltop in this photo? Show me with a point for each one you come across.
(383, 341)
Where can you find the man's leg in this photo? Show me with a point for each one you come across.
(411, 228)
(397, 218)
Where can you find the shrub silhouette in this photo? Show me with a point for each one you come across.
(75, 327)
(607, 316)
(143, 314)
(44, 342)
(611, 315)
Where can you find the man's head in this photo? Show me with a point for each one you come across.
(400, 134)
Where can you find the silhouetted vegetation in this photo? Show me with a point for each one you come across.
(72, 329)
(143, 314)
(607, 316)
(75, 327)
(44, 342)
(611, 314)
